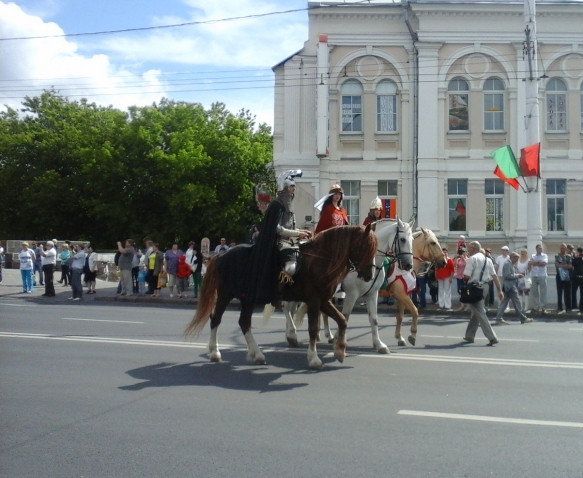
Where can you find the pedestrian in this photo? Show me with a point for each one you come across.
(77, 264)
(125, 264)
(142, 280)
(64, 259)
(478, 271)
(510, 277)
(444, 279)
(183, 273)
(171, 259)
(49, 262)
(38, 264)
(563, 265)
(418, 296)
(91, 267)
(460, 265)
(27, 259)
(538, 275)
(524, 283)
(489, 299)
(578, 278)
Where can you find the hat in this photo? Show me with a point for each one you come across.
(376, 204)
(505, 248)
(50, 243)
(335, 188)
(514, 254)
(580, 249)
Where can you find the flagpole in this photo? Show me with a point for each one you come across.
(532, 126)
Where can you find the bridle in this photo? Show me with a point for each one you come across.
(423, 257)
(396, 251)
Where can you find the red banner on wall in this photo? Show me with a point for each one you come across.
(389, 209)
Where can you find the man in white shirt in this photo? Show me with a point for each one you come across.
(538, 276)
(222, 247)
(472, 274)
(500, 261)
(49, 262)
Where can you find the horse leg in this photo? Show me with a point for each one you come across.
(327, 332)
(254, 354)
(217, 315)
(414, 319)
(340, 342)
(372, 308)
(314, 361)
(290, 327)
(400, 312)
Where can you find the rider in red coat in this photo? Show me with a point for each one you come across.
(333, 214)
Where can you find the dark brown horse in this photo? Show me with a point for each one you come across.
(324, 262)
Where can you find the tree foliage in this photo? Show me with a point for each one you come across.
(173, 171)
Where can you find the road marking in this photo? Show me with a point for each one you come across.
(103, 320)
(398, 356)
(482, 418)
(18, 305)
(478, 338)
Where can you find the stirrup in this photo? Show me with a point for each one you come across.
(285, 278)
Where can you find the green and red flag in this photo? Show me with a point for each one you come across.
(506, 161)
(513, 182)
(530, 160)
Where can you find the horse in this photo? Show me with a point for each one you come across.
(324, 262)
(393, 235)
(426, 247)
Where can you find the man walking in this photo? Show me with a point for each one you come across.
(478, 271)
(538, 275)
(510, 278)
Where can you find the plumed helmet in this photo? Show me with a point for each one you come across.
(376, 204)
(335, 188)
(286, 178)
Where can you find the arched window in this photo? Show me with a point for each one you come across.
(458, 105)
(351, 106)
(386, 92)
(556, 105)
(493, 105)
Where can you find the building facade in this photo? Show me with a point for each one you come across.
(407, 101)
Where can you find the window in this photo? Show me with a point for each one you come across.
(387, 191)
(351, 106)
(458, 105)
(555, 189)
(457, 192)
(494, 191)
(387, 188)
(556, 105)
(351, 200)
(493, 105)
(386, 106)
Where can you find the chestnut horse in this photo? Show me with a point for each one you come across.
(324, 262)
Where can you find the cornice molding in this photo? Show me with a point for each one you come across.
(356, 15)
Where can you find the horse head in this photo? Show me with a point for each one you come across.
(363, 253)
(403, 245)
(426, 247)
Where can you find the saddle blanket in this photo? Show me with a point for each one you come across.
(407, 277)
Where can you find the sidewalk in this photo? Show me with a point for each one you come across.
(11, 288)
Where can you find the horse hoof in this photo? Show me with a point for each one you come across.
(339, 355)
(316, 365)
(318, 338)
(383, 350)
(215, 358)
(401, 342)
(293, 342)
(331, 340)
(412, 340)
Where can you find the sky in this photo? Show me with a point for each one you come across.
(226, 61)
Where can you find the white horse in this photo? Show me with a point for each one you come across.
(393, 235)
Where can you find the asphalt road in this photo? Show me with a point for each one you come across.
(98, 390)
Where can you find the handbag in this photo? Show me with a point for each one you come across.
(162, 280)
(564, 274)
(472, 292)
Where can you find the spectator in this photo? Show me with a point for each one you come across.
(432, 284)
(444, 279)
(460, 265)
(155, 265)
(183, 273)
(572, 253)
(222, 247)
(77, 263)
(510, 277)
(196, 266)
(418, 295)
(563, 265)
(189, 252)
(38, 265)
(255, 233)
(142, 279)
(524, 282)
(538, 275)
(27, 259)
(489, 298)
(1, 261)
(136, 269)
(126, 258)
(171, 258)
(91, 267)
(461, 243)
(578, 278)
(49, 261)
(64, 259)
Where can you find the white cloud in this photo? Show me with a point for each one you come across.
(29, 66)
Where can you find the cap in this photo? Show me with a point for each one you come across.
(50, 243)
(505, 248)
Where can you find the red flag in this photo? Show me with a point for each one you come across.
(530, 160)
(460, 208)
(512, 182)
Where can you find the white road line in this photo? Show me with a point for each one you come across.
(477, 338)
(481, 418)
(18, 305)
(399, 356)
(578, 330)
(102, 320)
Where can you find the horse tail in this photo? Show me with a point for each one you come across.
(207, 300)
(300, 314)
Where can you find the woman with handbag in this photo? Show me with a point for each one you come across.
(154, 264)
(524, 283)
(563, 264)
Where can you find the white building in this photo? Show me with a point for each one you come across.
(407, 100)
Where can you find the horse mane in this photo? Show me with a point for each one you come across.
(330, 248)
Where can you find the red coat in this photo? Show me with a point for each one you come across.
(184, 269)
(331, 217)
(445, 272)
